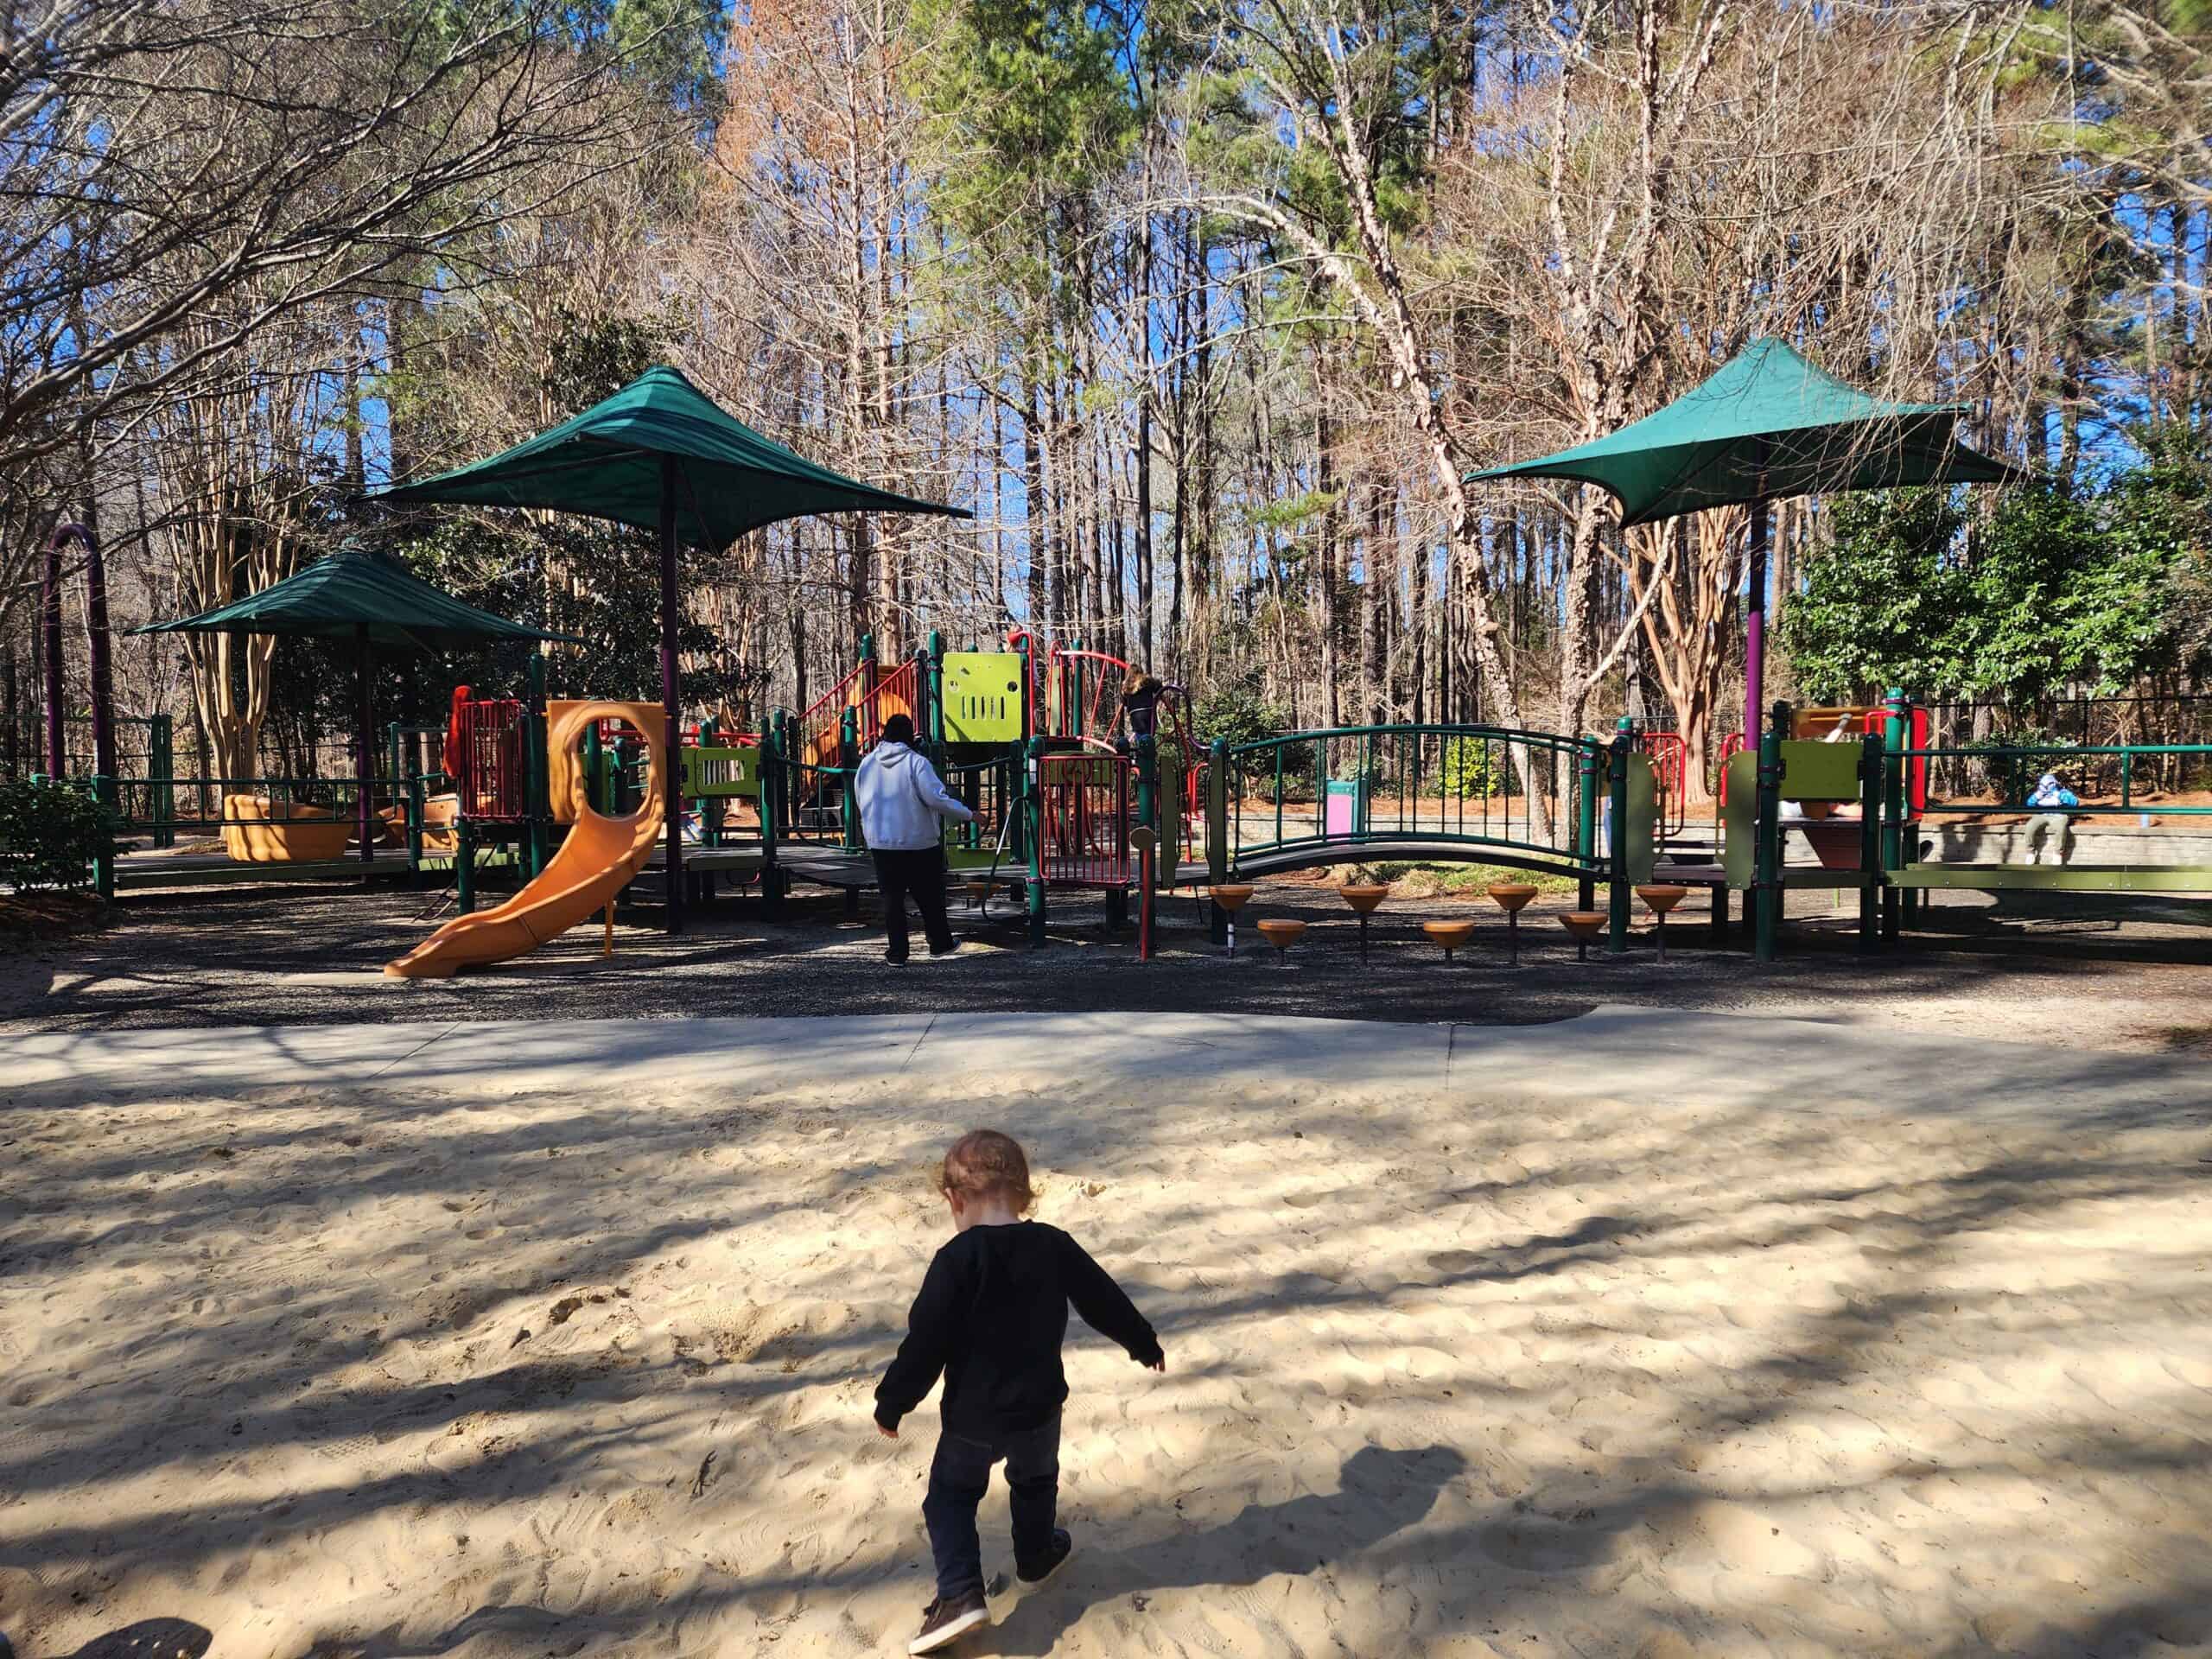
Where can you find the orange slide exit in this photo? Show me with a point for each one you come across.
(598, 860)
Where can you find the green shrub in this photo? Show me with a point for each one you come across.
(1235, 711)
(49, 835)
(1475, 766)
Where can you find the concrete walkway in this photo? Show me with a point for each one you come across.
(1634, 1055)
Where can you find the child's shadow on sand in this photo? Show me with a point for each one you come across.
(1381, 1490)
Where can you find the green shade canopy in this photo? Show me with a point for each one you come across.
(607, 463)
(1767, 424)
(359, 597)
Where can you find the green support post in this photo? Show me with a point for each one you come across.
(1586, 826)
(1871, 880)
(1896, 724)
(849, 757)
(537, 789)
(594, 763)
(161, 757)
(1032, 808)
(414, 821)
(1617, 836)
(932, 679)
(710, 808)
(769, 802)
(1766, 880)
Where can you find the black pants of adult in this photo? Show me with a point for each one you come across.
(959, 1476)
(920, 872)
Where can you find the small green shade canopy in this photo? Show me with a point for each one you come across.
(356, 596)
(1767, 424)
(607, 463)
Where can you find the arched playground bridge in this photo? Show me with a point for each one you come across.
(1425, 792)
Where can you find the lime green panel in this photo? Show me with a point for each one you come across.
(1736, 815)
(982, 696)
(1643, 817)
(1171, 800)
(980, 858)
(714, 772)
(1819, 771)
(2053, 878)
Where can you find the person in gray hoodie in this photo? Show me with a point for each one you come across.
(902, 801)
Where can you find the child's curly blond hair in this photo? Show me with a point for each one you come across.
(986, 1161)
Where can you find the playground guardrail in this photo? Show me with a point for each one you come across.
(1530, 794)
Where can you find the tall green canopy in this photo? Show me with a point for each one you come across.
(356, 596)
(661, 454)
(608, 463)
(1767, 424)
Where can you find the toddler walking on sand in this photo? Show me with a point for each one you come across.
(991, 1316)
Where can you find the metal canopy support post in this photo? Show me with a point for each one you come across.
(1755, 608)
(1895, 727)
(1872, 877)
(1766, 879)
(537, 794)
(672, 772)
(1617, 836)
(364, 742)
(1033, 795)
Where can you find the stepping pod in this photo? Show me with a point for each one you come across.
(1364, 897)
(1660, 898)
(1230, 900)
(1512, 897)
(1282, 933)
(1450, 935)
(1585, 926)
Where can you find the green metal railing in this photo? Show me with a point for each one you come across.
(2110, 769)
(1530, 797)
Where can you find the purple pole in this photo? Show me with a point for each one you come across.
(1754, 606)
(668, 603)
(364, 740)
(1755, 627)
(103, 670)
(56, 758)
(96, 631)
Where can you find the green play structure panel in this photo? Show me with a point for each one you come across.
(710, 772)
(1818, 772)
(1642, 842)
(982, 696)
(2050, 878)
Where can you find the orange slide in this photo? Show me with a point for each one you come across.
(598, 860)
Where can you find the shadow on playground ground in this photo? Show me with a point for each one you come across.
(2121, 968)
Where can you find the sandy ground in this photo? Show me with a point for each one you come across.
(1480, 1342)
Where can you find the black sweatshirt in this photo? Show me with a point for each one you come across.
(992, 1313)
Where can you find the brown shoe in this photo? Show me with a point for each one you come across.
(945, 1622)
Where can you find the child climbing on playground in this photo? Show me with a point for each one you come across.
(991, 1316)
(901, 800)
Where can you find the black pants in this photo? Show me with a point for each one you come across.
(920, 872)
(959, 1476)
